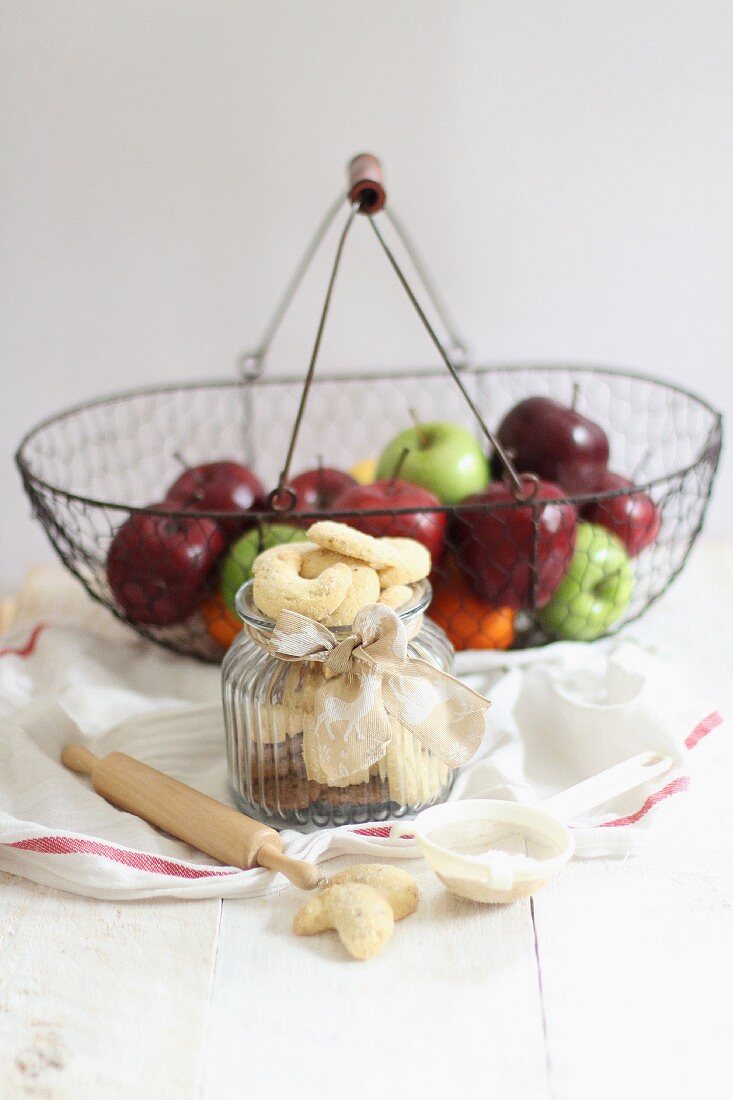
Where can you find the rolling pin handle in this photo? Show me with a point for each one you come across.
(305, 876)
(78, 759)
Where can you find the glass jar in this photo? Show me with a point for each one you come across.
(268, 710)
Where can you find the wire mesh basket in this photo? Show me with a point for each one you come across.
(512, 570)
(91, 468)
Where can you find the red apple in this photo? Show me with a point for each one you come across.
(633, 517)
(556, 443)
(426, 527)
(157, 565)
(219, 487)
(497, 548)
(317, 489)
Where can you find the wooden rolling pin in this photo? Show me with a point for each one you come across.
(208, 825)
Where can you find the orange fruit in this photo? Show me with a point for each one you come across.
(469, 622)
(221, 624)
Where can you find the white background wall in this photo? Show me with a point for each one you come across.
(566, 167)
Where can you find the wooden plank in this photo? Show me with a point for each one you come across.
(451, 1005)
(637, 971)
(102, 999)
(635, 956)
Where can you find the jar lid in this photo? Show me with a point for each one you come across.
(251, 615)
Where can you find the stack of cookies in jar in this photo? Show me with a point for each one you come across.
(280, 752)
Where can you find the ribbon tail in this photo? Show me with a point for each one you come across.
(446, 716)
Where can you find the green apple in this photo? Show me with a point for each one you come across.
(441, 456)
(596, 589)
(237, 567)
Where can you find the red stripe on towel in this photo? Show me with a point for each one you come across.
(29, 648)
(675, 787)
(140, 861)
(382, 832)
(702, 729)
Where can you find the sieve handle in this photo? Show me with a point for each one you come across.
(600, 788)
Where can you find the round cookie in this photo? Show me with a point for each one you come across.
(282, 551)
(364, 590)
(343, 539)
(278, 586)
(414, 564)
(318, 559)
(395, 596)
(399, 888)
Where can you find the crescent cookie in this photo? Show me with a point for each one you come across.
(343, 539)
(399, 888)
(318, 559)
(278, 586)
(364, 589)
(395, 596)
(414, 563)
(360, 914)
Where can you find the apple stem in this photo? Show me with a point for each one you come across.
(576, 394)
(614, 575)
(186, 466)
(422, 437)
(319, 482)
(398, 466)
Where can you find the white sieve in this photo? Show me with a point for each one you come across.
(490, 850)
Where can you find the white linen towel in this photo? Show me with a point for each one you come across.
(69, 671)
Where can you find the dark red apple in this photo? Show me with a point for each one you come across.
(634, 517)
(556, 443)
(496, 545)
(317, 489)
(157, 565)
(426, 527)
(219, 487)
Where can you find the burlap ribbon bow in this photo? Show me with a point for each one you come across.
(372, 680)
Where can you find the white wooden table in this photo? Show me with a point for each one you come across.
(615, 983)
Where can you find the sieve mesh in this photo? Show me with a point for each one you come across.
(482, 838)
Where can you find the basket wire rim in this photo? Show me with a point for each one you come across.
(23, 462)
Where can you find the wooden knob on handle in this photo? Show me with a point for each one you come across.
(366, 183)
(305, 876)
(78, 759)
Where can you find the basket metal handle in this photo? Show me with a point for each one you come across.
(367, 196)
(367, 192)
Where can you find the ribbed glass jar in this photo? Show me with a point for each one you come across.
(268, 710)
